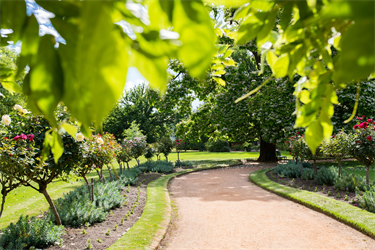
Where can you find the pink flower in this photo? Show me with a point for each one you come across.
(178, 144)
(180, 139)
(6, 138)
(17, 137)
(23, 136)
(359, 118)
(369, 120)
(176, 140)
(369, 138)
(30, 137)
(355, 205)
(355, 126)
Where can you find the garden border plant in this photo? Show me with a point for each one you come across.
(355, 217)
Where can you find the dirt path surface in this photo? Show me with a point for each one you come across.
(222, 209)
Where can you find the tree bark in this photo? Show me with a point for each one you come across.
(43, 190)
(267, 152)
(87, 183)
(110, 172)
(4, 194)
(315, 168)
(127, 164)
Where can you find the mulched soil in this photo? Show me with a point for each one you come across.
(74, 239)
(311, 185)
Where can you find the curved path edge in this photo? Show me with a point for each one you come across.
(150, 229)
(354, 217)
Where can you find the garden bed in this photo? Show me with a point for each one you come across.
(312, 186)
(75, 239)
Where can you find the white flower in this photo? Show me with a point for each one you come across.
(18, 107)
(99, 140)
(80, 137)
(6, 119)
(23, 111)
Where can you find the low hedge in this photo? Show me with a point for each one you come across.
(355, 217)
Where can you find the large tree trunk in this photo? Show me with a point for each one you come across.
(267, 152)
(43, 190)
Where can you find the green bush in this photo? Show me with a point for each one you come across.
(24, 234)
(75, 208)
(289, 169)
(183, 164)
(129, 177)
(350, 181)
(157, 166)
(308, 174)
(327, 176)
(367, 200)
(218, 146)
(237, 147)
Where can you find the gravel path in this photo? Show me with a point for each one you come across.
(221, 209)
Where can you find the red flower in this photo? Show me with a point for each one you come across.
(17, 137)
(355, 126)
(23, 136)
(178, 143)
(176, 140)
(287, 141)
(359, 118)
(183, 142)
(363, 116)
(6, 138)
(369, 120)
(369, 138)
(297, 133)
(333, 136)
(30, 137)
(358, 142)
(180, 139)
(10, 155)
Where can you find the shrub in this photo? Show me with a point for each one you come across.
(367, 200)
(129, 177)
(183, 164)
(157, 166)
(308, 174)
(75, 208)
(36, 232)
(327, 176)
(290, 170)
(237, 147)
(217, 146)
(350, 181)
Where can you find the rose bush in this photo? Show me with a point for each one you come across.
(363, 143)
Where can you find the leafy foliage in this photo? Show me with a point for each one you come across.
(157, 166)
(327, 176)
(308, 174)
(165, 146)
(75, 208)
(349, 182)
(367, 200)
(28, 232)
(217, 146)
(290, 170)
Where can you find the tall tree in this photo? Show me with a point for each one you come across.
(138, 105)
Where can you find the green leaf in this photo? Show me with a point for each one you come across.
(57, 146)
(95, 72)
(46, 80)
(219, 81)
(269, 24)
(12, 16)
(358, 55)
(197, 35)
(250, 28)
(11, 86)
(280, 66)
(70, 129)
(314, 135)
(286, 15)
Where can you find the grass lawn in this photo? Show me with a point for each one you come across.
(27, 201)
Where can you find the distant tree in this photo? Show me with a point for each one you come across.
(138, 105)
(133, 131)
